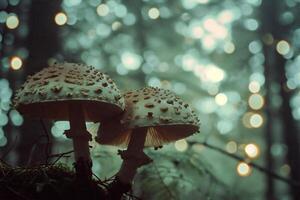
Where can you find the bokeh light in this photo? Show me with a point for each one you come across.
(252, 150)
(231, 147)
(16, 63)
(12, 22)
(209, 42)
(243, 169)
(229, 47)
(252, 120)
(59, 128)
(196, 30)
(216, 29)
(181, 145)
(198, 148)
(226, 16)
(251, 24)
(102, 10)
(131, 60)
(116, 26)
(61, 18)
(254, 86)
(283, 47)
(256, 101)
(213, 74)
(221, 99)
(153, 13)
(256, 120)
(16, 118)
(3, 118)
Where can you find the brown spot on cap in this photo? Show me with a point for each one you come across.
(117, 97)
(164, 109)
(56, 89)
(164, 119)
(72, 81)
(98, 91)
(84, 93)
(149, 105)
(150, 114)
(170, 101)
(90, 83)
(42, 94)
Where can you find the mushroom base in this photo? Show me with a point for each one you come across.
(83, 170)
(117, 188)
(81, 138)
(133, 157)
(131, 162)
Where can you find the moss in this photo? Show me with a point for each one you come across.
(46, 182)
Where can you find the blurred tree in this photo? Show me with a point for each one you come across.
(192, 48)
(186, 46)
(12, 52)
(275, 69)
(42, 44)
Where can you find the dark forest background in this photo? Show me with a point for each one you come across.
(236, 62)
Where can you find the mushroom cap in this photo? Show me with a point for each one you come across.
(165, 115)
(48, 93)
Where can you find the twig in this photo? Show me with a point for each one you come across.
(110, 179)
(99, 180)
(34, 143)
(131, 196)
(254, 165)
(60, 156)
(46, 134)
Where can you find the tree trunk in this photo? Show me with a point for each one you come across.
(42, 44)
(275, 65)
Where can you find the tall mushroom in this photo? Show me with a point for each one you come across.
(74, 92)
(152, 117)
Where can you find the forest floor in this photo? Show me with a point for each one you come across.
(46, 182)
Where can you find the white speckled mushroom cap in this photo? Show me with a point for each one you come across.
(165, 115)
(47, 93)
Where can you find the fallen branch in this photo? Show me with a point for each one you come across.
(254, 165)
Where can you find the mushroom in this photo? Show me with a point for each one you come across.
(74, 92)
(152, 117)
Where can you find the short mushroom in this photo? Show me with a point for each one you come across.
(152, 117)
(74, 92)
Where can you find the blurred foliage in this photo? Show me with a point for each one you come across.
(208, 52)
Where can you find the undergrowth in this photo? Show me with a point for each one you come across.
(46, 182)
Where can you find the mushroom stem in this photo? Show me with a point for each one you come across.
(137, 140)
(80, 137)
(133, 157)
